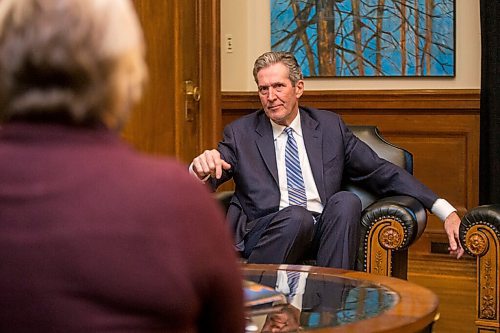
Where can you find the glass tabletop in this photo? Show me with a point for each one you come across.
(315, 300)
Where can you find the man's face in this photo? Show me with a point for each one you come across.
(279, 98)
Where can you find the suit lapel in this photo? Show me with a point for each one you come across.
(265, 144)
(314, 147)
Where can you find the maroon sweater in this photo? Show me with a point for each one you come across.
(96, 237)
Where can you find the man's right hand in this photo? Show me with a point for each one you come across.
(209, 163)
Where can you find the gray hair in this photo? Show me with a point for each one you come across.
(285, 58)
(77, 61)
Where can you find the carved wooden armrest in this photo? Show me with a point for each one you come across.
(479, 236)
(388, 227)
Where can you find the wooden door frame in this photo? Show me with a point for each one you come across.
(210, 73)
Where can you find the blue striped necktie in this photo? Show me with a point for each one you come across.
(293, 283)
(295, 182)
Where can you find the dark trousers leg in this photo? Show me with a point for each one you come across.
(286, 239)
(338, 231)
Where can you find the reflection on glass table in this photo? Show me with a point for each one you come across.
(319, 298)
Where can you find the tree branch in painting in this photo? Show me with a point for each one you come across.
(367, 37)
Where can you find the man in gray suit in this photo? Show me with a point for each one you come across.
(288, 163)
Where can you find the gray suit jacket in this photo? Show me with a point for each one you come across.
(335, 155)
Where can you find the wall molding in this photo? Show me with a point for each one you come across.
(454, 101)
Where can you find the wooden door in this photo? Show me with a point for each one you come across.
(182, 40)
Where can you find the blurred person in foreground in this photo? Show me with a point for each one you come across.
(94, 236)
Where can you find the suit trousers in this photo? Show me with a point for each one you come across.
(291, 236)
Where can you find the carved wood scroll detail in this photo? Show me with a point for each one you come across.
(477, 243)
(383, 237)
(487, 308)
(483, 242)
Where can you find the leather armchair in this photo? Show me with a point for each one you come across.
(389, 225)
(480, 237)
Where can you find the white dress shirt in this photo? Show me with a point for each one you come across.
(280, 139)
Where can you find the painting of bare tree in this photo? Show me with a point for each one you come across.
(364, 38)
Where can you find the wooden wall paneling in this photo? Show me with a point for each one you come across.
(446, 100)
(445, 149)
(439, 127)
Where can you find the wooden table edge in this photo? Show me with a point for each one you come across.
(416, 309)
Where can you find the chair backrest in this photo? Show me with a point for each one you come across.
(384, 149)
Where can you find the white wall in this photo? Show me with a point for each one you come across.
(248, 21)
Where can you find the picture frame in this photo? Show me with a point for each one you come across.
(367, 38)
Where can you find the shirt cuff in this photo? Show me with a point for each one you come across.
(191, 171)
(442, 209)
